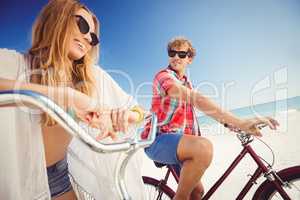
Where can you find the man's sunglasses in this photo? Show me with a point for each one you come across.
(84, 28)
(181, 54)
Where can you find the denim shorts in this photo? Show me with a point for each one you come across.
(58, 178)
(164, 150)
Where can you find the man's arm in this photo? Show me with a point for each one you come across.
(203, 103)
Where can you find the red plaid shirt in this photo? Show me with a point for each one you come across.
(172, 114)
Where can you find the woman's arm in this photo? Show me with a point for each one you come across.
(65, 97)
(58, 95)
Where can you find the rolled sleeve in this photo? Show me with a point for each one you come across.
(165, 81)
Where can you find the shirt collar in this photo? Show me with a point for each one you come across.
(184, 78)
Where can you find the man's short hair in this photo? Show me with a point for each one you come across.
(180, 41)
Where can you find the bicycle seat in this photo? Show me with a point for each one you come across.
(159, 165)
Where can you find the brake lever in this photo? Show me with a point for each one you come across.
(237, 130)
(261, 126)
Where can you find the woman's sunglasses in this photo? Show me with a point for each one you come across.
(84, 28)
(181, 54)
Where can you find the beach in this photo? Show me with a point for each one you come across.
(284, 142)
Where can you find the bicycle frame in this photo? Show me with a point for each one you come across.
(261, 169)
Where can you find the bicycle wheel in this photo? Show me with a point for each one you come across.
(267, 190)
(157, 190)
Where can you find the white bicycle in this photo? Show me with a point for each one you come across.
(127, 147)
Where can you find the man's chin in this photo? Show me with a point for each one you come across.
(175, 67)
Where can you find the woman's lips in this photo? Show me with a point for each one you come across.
(80, 45)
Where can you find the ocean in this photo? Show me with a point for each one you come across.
(264, 109)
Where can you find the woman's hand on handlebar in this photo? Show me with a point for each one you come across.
(110, 122)
(89, 111)
(83, 105)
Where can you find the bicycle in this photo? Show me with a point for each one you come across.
(283, 184)
(128, 147)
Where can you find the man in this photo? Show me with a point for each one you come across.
(178, 140)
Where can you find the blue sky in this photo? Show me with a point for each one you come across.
(241, 45)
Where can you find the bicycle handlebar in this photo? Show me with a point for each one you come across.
(243, 136)
(70, 125)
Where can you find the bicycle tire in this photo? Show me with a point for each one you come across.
(157, 190)
(267, 190)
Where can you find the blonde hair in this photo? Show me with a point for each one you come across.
(180, 41)
(50, 37)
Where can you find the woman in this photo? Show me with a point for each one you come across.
(59, 64)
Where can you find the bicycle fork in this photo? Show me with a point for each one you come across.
(279, 184)
(270, 174)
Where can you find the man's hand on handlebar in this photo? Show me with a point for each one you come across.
(254, 125)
